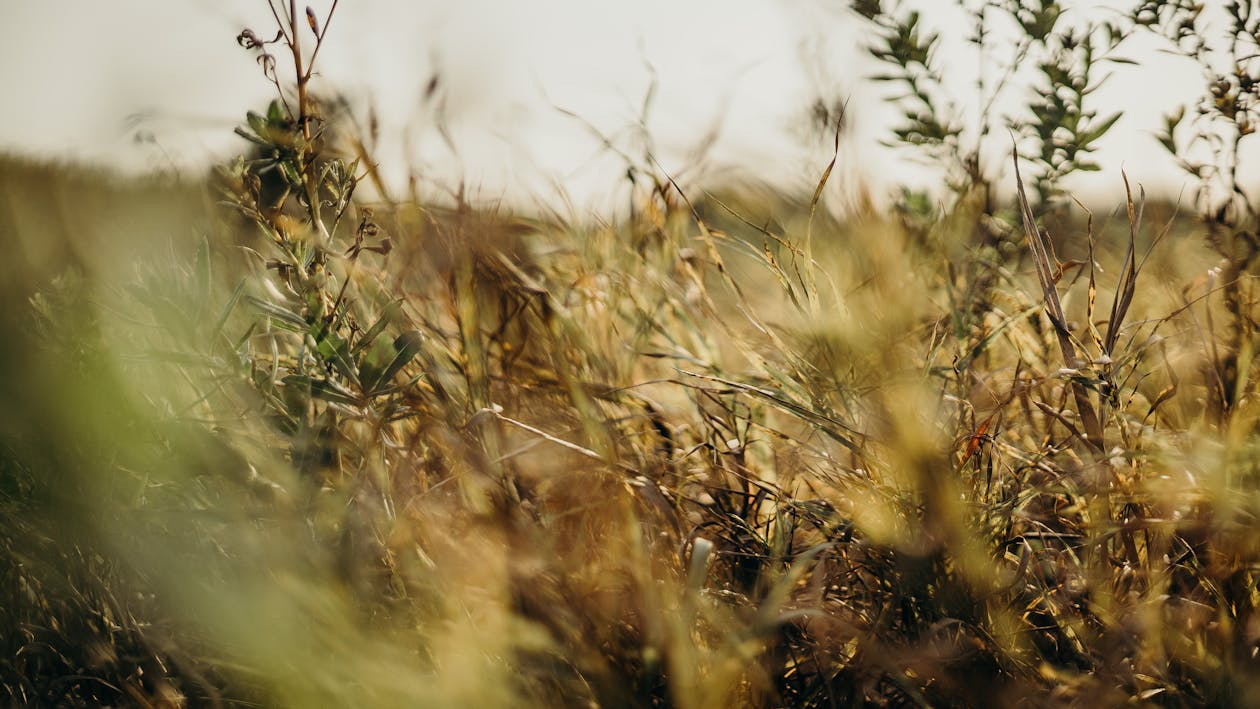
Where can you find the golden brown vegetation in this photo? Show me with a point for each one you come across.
(333, 452)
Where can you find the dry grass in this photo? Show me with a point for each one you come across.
(515, 461)
(304, 449)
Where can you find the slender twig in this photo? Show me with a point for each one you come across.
(319, 39)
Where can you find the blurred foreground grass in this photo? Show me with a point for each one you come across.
(457, 457)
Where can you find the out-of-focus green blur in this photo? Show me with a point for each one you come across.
(152, 555)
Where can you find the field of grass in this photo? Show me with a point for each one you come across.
(267, 442)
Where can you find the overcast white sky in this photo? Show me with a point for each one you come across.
(83, 77)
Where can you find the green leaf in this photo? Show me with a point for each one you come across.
(257, 124)
(227, 309)
(291, 174)
(326, 389)
(277, 312)
(406, 347)
(277, 116)
(256, 140)
(388, 315)
(1084, 139)
(333, 349)
(372, 364)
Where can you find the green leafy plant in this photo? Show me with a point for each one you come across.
(1059, 130)
(1207, 143)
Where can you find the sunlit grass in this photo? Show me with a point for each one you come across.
(265, 440)
(629, 463)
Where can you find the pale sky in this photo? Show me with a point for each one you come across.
(84, 77)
